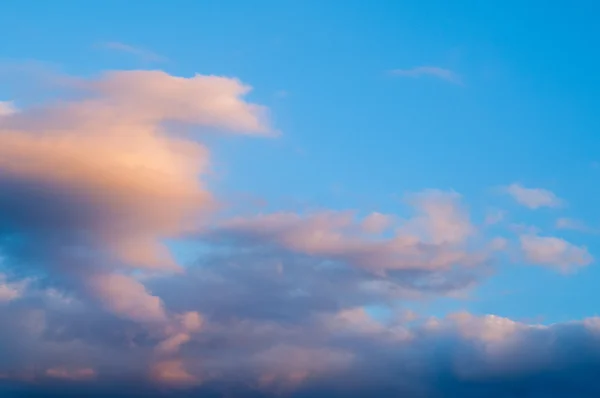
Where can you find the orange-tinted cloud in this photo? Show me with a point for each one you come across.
(172, 372)
(102, 174)
(110, 159)
(71, 374)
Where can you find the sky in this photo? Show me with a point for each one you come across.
(299, 198)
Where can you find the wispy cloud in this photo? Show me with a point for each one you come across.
(141, 53)
(571, 224)
(494, 217)
(7, 108)
(432, 71)
(534, 198)
(281, 94)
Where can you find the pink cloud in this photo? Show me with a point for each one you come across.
(108, 152)
(435, 238)
(358, 321)
(289, 365)
(71, 374)
(148, 97)
(552, 251)
(127, 297)
(441, 217)
(7, 108)
(488, 328)
(534, 198)
(180, 332)
(96, 184)
(10, 290)
(376, 222)
(571, 224)
(172, 372)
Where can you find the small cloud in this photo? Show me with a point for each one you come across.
(281, 94)
(71, 374)
(494, 217)
(520, 228)
(574, 225)
(554, 252)
(10, 290)
(7, 108)
(433, 71)
(533, 198)
(144, 54)
(172, 372)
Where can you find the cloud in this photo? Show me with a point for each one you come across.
(433, 71)
(127, 297)
(489, 329)
(571, 224)
(551, 251)
(132, 183)
(172, 372)
(281, 94)
(435, 239)
(75, 374)
(7, 108)
(141, 53)
(91, 187)
(376, 222)
(462, 354)
(494, 217)
(442, 218)
(10, 290)
(534, 198)
(187, 324)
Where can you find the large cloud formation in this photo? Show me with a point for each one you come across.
(93, 185)
(93, 303)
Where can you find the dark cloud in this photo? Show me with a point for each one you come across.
(465, 356)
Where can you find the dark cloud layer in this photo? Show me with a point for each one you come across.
(463, 355)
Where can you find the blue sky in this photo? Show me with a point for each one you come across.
(373, 101)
